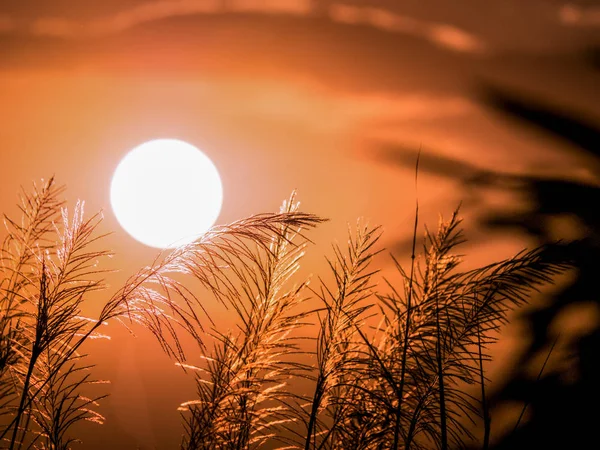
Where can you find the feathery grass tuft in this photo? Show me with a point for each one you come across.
(337, 350)
(242, 389)
(50, 267)
(392, 363)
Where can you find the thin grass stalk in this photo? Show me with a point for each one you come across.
(484, 404)
(441, 376)
(23, 403)
(41, 323)
(30, 398)
(315, 405)
(410, 434)
(539, 376)
(408, 313)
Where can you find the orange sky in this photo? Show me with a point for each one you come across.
(334, 105)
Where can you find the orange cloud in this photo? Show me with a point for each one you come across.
(149, 12)
(419, 106)
(578, 16)
(156, 10)
(454, 38)
(444, 35)
(300, 7)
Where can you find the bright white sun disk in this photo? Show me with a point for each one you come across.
(166, 193)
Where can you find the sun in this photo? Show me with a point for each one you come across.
(166, 193)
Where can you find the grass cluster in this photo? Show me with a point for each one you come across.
(387, 368)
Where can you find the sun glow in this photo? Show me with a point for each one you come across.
(166, 193)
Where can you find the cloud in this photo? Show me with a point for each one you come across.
(443, 35)
(152, 11)
(382, 113)
(156, 10)
(453, 38)
(577, 16)
(147, 12)
(297, 7)
(419, 106)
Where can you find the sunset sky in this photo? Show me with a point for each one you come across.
(332, 98)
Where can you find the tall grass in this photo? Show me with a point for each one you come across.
(426, 351)
(242, 389)
(387, 366)
(50, 267)
(345, 307)
(401, 383)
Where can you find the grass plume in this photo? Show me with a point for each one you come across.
(391, 362)
(49, 269)
(242, 388)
